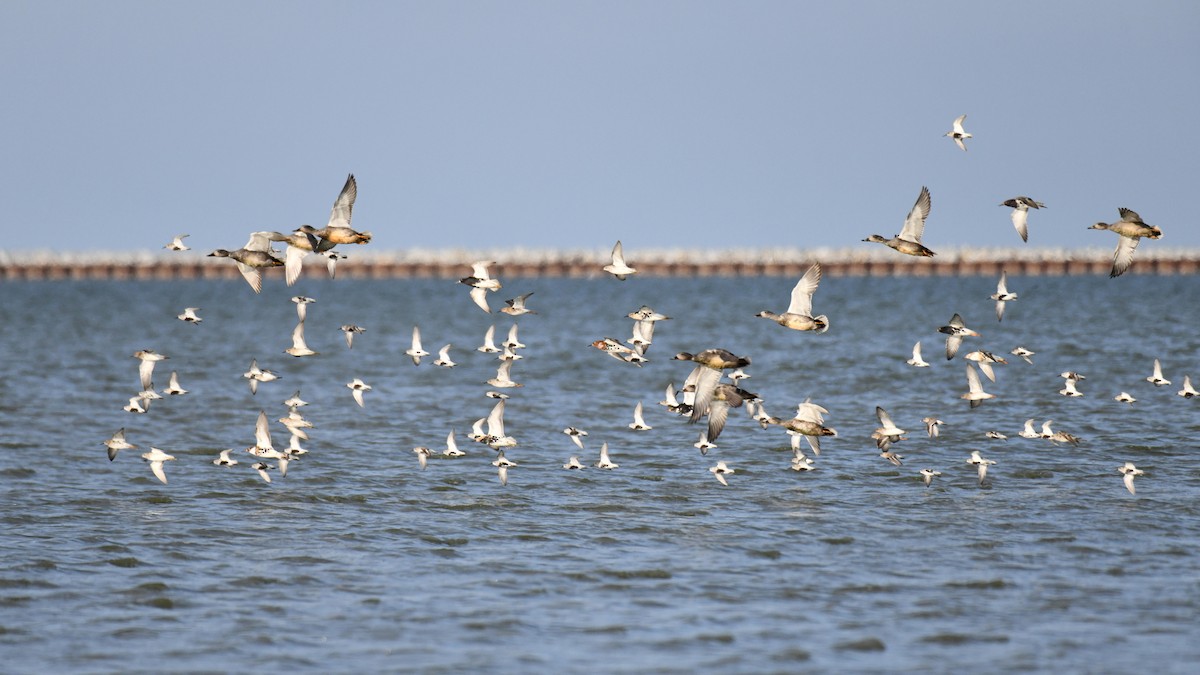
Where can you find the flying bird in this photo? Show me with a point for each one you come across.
(189, 315)
(173, 388)
(299, 346)
(256, 375)
(338, 230)
(799, 314)
(955, 331)
(516, 306)
(148, 358)
(350, 330)
(416, 351)
(302, 303)
(1020, 214)
(156, 458)
(252, 258)
(605, 462)
(481, 282)
(916, 361)
(618, 268)
(975, 393)
(639, 421)
(720, 471)
(1002, 295)
(981, 464)
(1156, 378)
(1131, 229)
(117, 443)
(1129, 472)
(958, 133)
(357, 387)
(908, 241)
(443, 358)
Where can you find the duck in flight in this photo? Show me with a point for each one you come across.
(908, 241)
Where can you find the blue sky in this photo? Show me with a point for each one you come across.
(572, 124)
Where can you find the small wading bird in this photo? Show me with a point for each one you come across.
(350, 330)
(955, 332)
(617, 267)
(481, 282)
(117, 443)
(1002, 295)
(916, 361)
(1129, 472)
(177, 244)
(720, 471)
(416, 351)
(958, 133)
(302, 303)
(981, 464)
(189, 315)
(156, 458)
(1020, 214)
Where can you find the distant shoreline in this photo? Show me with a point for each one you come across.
(362, 263)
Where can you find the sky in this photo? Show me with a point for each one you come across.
(569, 125)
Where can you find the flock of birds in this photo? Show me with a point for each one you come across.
(704, 395)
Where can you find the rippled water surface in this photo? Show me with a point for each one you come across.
(358, 561)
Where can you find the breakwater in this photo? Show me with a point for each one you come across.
(515, 263)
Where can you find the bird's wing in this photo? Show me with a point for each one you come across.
(958, 124)
(914, 224)
(495, 419)
(252, 275)
(639, 417)
(479, 269)
(479, 297)
(803, 291)
(1020, 220)
(344, 204)
(262, 432)
(718, 412)
(293, 263)
(1123, 257)
(952, 344)
(618, 255)
(259, 241)
(885, 420)
(298, 337)
(146, 372)
(973, 384)
(706, 383)
(1129, 215)
(810, 412)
